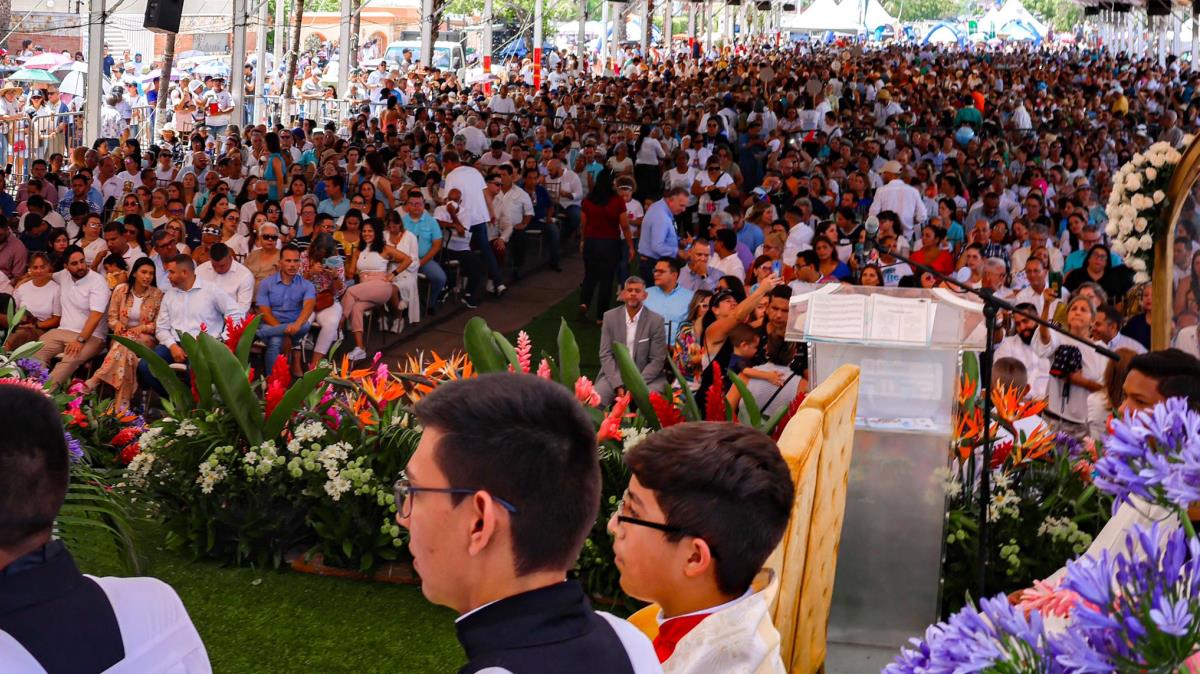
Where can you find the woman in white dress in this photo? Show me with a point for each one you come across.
(406, 279)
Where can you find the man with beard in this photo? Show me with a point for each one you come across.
(1020, 347)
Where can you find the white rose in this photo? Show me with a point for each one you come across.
(1138, 159)
(1140, 225)
(1146, 242)
(1158, 161)
(1124, 227)
(1151, 174)
(1133, 183)
(1173, 156)
(1118, 247)
(1159, 195)
(1111, 229)
(1141, 277)
(1188, 138)
(1136, 263)
(1160, 146)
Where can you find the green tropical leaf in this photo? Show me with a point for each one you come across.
(230, 378)
(769, 429)
(481, 347)
(180, 395)
(507, 350)
(292, 400)
(199, 368)
(753, 413)
(568, 356)
(690, 409)
(631, 377)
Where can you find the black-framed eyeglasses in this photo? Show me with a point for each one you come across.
(404, 490)
(658, 526)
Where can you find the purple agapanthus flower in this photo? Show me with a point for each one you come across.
(1144, 613)
(34, 369)
(74, 448)
(1153, 455)
(976, 639)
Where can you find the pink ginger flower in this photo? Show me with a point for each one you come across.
(585, 392)
(543, 370)
(1050, 600)
(524, 351)
(1191, 665)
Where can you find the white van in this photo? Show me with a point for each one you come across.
(446, 55)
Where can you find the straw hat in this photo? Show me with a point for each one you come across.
(10, 88)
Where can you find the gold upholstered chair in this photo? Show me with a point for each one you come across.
(837, 400)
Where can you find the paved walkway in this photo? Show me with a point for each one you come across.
(523, 302)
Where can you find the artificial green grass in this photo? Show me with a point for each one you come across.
(260, 621)
(543, 330)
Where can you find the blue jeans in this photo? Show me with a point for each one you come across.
(216, 132)
(143, 370)
(274, 335)
(574, 215)
(437, 281)
(481, 244)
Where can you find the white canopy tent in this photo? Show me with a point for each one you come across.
(820, 17)
(876, 17)
(1009, 17)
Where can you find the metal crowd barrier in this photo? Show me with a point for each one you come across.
(25, 139)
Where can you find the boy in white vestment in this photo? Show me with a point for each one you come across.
(706, 505)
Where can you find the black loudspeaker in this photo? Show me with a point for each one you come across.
(762, 6)
(1091, 10)
(162, 16)
(1120, 8)
(1158, 7)
(789, 6)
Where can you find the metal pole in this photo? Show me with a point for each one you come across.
(668, 31)
(280, 32)
(1195, 33)
(260, 65)
(708, 29)
(94, 96)
(603, 47)
(237, 65)
(646, 21)
(488, 18)
(691, 28)
(537, 43)
(344, 47)
(618, 33)
(581, 37)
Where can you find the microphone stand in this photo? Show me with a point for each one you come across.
(992, 306)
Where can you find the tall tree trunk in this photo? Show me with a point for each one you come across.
(164, 84)
(293, 54)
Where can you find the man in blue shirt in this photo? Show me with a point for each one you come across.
(667, 298)
(747, 228)
(698, 275)
(429, 243)
(336, 204)
(286, 301)
(658, 238)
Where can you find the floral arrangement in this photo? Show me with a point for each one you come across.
(1135, 206)
(1135, 611)
(1044, 507)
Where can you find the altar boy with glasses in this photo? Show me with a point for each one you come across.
(706, 505)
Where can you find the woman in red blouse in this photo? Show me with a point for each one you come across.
(606, 236)
(931, 253)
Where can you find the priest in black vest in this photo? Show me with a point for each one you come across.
(498, 499)
(54, 619)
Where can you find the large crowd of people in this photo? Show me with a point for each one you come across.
(701, 194)
(701, 189)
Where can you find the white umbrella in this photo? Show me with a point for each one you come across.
(74, 83)
(73, 66)
(191, 53)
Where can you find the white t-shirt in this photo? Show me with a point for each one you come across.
(1074, 405)
(457, 242)
(674, 178)
(892, 273)
(41, 302)
(706, 204)
(651, 152)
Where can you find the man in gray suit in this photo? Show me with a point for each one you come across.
(642, 331)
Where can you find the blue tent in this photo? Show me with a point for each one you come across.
(939, 28)
(1018, 29)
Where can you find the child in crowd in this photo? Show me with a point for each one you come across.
(706, 505)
